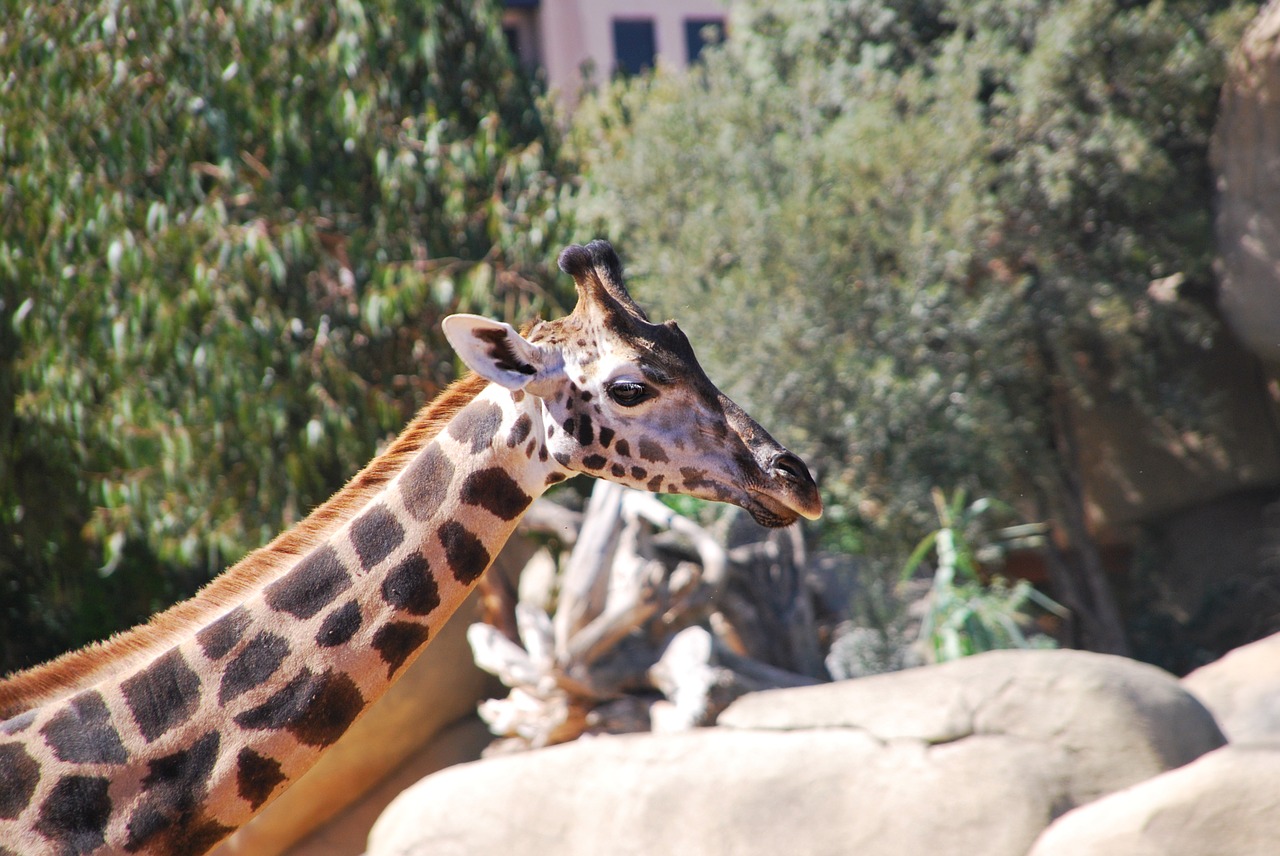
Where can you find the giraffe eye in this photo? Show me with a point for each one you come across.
(628, 393)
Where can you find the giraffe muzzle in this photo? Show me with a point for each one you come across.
(800, 492)
(789, 492)
(788, 467)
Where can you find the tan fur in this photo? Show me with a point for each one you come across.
(85, 667)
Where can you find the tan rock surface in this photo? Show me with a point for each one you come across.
(1246, 139)
(1104, 722)
(1242, 691)
(971, 757)
(1227, 803)
(723, 791)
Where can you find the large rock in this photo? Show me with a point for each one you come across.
(719, 791)
(1248, 183)
(1226, 804)
(1100, 722)
(1242, 691)
(1135, 470)
(976, 756)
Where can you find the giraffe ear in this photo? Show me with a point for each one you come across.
(493, 350)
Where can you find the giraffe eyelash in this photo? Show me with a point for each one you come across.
(629, 393)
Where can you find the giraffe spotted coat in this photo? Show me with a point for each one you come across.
(166, 739)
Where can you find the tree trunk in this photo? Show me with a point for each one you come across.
(1078, 572)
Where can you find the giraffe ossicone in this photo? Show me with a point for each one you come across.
(167, 738)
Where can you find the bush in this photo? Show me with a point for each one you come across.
(933, 228)
(226, 240)
(968, 610)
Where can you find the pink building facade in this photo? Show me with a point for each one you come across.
(573, 39)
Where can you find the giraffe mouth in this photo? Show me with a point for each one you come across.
(790, 493)
(772, 512)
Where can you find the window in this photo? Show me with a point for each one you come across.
(700, 32)
(512, 35)
(634, 44)
(520, 28)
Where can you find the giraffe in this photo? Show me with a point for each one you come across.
(165, 739)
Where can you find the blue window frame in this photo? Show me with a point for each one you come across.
(635, 45)
(700, 32)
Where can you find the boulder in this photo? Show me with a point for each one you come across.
(976, 756)
(1247, 174)
(1226, 803)
(1135, 469)
(1242, 691)
(1101, 722)
(723, 791)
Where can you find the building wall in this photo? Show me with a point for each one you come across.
(571, 34)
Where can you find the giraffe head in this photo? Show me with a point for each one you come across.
(625, 399)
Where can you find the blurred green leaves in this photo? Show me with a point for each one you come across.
(913, 235)
(927, 226)
(227, 236)
(968, 611)
(909, 236)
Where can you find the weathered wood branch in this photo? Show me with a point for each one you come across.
(640, 635)
(585, 581)
(700, 676)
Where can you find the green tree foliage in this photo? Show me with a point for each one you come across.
(228, 232)
(933, 227)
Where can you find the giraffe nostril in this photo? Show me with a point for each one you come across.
(789, 467)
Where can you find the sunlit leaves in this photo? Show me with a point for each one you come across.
(228, 233)
(906, 232)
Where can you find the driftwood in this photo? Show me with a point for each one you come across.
(649, 622)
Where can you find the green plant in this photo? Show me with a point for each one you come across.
(967, 615)
(698, 510)
(936, 306)
(228, 233)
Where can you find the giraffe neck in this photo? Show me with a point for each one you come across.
(175, 752)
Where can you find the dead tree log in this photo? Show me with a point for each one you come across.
(649, 622)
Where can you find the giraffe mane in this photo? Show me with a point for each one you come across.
(84, 667)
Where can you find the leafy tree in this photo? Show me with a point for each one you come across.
(936, 229)
(228, 232)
